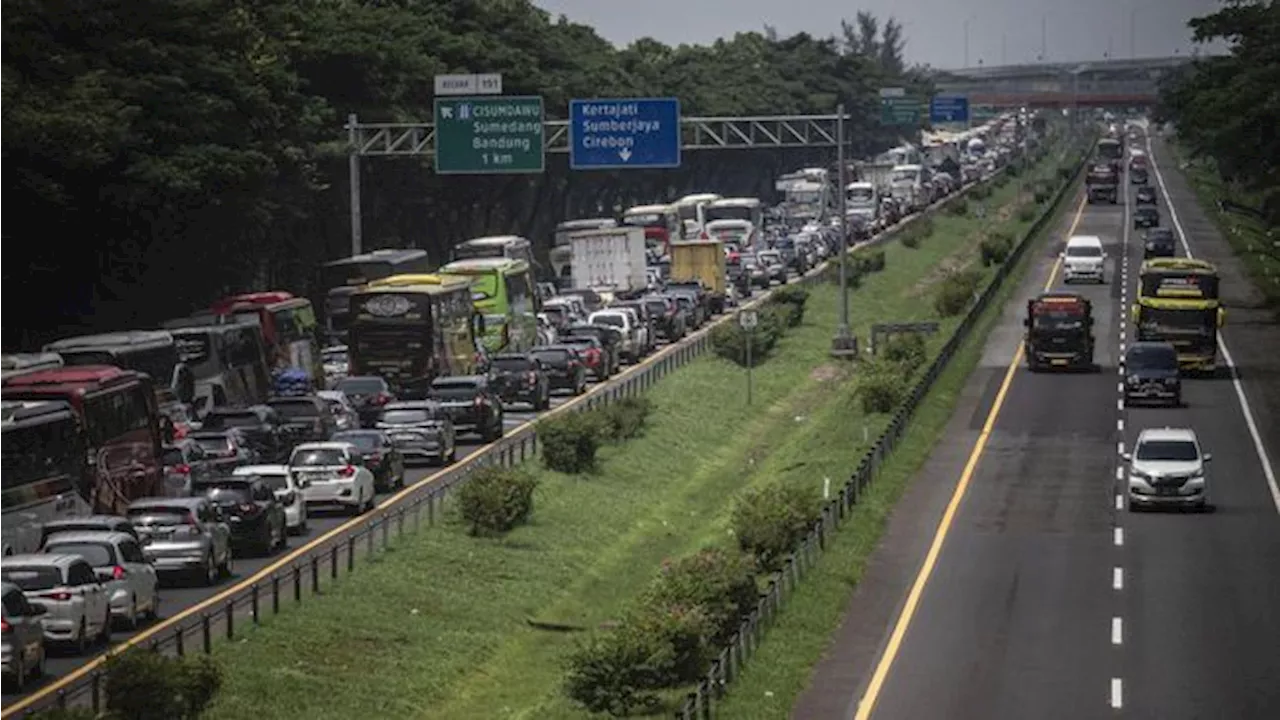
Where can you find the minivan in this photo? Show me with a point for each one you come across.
(1084, 259)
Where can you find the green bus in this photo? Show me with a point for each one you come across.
(504, 294)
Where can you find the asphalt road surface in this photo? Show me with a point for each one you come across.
(1046, 598)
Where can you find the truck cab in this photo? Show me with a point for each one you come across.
(1059, 332)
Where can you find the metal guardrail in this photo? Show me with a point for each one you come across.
(309, 569)
(702, 702)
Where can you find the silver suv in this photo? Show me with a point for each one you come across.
(1168, 469)
(182, 535)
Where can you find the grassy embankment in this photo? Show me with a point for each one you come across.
(1247, 235)
(438, 627)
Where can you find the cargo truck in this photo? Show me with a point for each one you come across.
(1102, 183)
(609, 259)
(1059, 332)
(701, 261)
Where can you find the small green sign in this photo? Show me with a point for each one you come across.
(489, 135)
(899, 111)
(982, 113)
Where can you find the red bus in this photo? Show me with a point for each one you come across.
(117, 413)
(288, 323)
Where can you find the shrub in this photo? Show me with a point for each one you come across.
(906, 349)
(881, 386)
(875, 260)
(720, 583)
(569, 442)
(1043, 192)
(794, 296)
(1027, 212)
(923, 226)
(617, 673)
(624, 419)
(911, 238)
(980, 192)
(685, 632)
(496, 499)
(958, 207)
(1065, 172)
(145, 685)
(769, 521)
(995, 248)
(955, 292)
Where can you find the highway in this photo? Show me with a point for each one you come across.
(1040, 595)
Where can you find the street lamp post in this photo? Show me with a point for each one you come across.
(843, 345)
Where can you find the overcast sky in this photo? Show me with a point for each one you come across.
(999, 31)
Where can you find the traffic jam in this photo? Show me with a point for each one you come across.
(149, 465)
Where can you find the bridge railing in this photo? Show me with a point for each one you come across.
(1065, 85)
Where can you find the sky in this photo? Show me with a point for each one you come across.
(998, 31)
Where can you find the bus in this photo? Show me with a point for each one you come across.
(341, 278)
(153, 352)
(21, 363)
(690, 210)
(227, 360)
(116, 413)
(1178, 303)
(410, 332)
(511, 247)
(661, 225)
(289, 327)
(505, 296)
(42, 472)
(748, 209)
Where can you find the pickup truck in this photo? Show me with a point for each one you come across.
(632, 346)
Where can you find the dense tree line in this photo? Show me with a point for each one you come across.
(159, 153)
(1228, 107)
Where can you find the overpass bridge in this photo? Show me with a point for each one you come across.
(1098, 83)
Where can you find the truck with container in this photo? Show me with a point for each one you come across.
(703, 262)
(611, 259)
(561, 255)
(1059, 332)
(1102, 183)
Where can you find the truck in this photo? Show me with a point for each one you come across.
(701, 261)
(1178, 303)
(1111, 151)
(910, 186)
(609, 258)
(1102, 183)
(862, 202)
(1059, 332)
(561, 254)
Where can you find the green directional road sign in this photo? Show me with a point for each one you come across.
(899, 111)
(489, 135)
(982, 113)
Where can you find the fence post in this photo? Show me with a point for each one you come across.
(253, 600)
(231, 619)
(207, 633)
(297, 584)
(275, 594)
(315, 574)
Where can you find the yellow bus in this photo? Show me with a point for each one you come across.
(1178, 303)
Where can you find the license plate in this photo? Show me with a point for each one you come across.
(1166, 491)
(405, 438)
(1059, 362)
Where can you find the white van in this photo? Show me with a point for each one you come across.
(1084, 259)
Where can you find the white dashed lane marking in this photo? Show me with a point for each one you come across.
(1117, 693)
(1117, 537)
(1119, 501)
(1117, 577)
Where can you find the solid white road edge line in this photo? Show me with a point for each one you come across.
(1259, 448)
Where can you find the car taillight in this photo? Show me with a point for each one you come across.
(180, 432)
(573, 364)
(191, 519)
(118, 573)
(4, 627)
(347, 471)
(61, 596)
(479, 401)
(381, 399)
(183, 469)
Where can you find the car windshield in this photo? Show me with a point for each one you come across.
(1084, 251)
(454, 390)
(405, 417)
(95, 553)
(32, 578)
(318, 457)
(364, 440)
(361, 386)
(1147, 358)
(1168, 450)
(614, 319)
(214, 443)
(295, 408)
(511, 364)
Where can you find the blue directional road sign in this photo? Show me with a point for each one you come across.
(621, 133)
(949, 109)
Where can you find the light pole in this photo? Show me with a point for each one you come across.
(353, 174)
(843, 343)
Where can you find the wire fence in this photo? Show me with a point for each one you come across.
(307, 571)
(726, 667)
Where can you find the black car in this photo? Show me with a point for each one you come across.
(250, 509)
(420, 430)
(695, 313)
(594, 359)
(368, 395)
(610, 339)
(307, 418)
(1146, 217)
(470, 403)
(261, 426)
(1159, 243)
(380, 455)
(668, 320)
(225, 450)
(1146, 195)
(1138, 176)
(563, 367)
(1151, 373)
(520, 378)
(700, 308)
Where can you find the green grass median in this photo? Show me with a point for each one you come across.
(447, 625)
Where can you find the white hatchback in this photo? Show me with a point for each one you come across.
(287, 488)
(333, 473)
(131, 582)
(79, 613)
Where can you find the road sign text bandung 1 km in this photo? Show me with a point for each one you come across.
(620, 133)
(949, 109)
(489, 135)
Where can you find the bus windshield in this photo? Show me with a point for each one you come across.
(1177, 323)
(1178, 284)
(646, 220)
(40, 460)
(1110, 150)
(731, 212)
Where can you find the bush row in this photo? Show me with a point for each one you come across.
(692, 608)
(782, 311)
(570, 440)
(145, 685)
(860, 264)
(885, 381)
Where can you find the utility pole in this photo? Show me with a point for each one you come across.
(353, 173)
(1133, 34)
(843, 345)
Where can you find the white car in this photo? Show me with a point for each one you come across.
(287, 488)
(131, 582)
(621, 322)
(333, 473)
(344, 413)
(1084, 259)
(79, 613)
(1168, 469)
(23, 644)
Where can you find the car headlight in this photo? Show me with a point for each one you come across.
(1133, 379)
(1171, 381)
(1140, 474)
